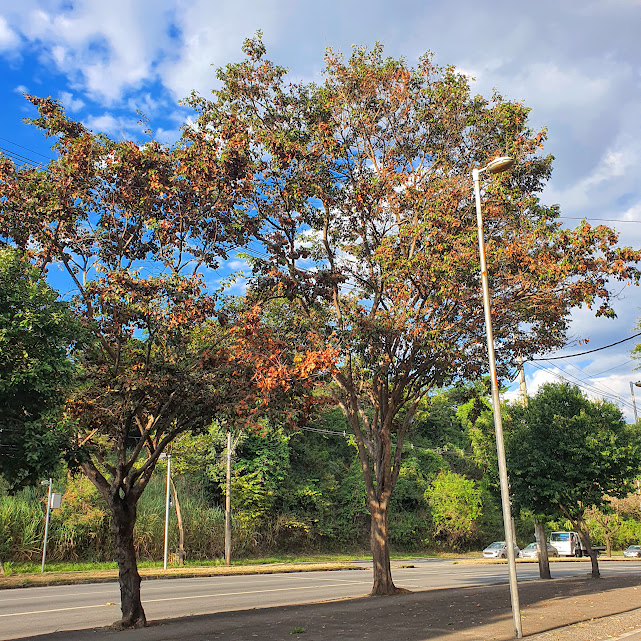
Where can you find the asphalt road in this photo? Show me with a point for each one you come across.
(27, 612)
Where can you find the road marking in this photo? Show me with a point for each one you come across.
(77, 607)
(181, 598)
(224, 594)
(65, 594)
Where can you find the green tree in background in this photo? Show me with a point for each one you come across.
(456, 504)
(567, 454)
(37, 332)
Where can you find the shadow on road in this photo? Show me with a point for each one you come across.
(474, 613)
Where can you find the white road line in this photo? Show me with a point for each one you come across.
(39, 597)
(77, 607)
(224, 594)
(182, 598)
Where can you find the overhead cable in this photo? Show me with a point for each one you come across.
(590, 351)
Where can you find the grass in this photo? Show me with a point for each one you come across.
(13, 568)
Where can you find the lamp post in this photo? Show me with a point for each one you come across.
(497, 166)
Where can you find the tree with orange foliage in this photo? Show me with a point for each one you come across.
(134, 228)
(364, 194)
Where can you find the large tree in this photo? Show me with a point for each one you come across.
(133, 227)
(37, 331)
(569, 454)
(363, 186)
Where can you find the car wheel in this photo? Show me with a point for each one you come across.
(578, 553)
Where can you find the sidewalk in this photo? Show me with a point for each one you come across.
(577, 609)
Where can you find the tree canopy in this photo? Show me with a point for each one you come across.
(37, 332)
(568, 454)
(364, 194)
(135, 227)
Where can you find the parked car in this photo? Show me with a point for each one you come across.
(567, 543)
(634, 551)
(498, 550)
(530, 551)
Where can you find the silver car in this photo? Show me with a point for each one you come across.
(498, 550)
(530, 551)
(634, 551)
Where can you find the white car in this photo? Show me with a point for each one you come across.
(530, 551)
(498, 550)
(634, 551)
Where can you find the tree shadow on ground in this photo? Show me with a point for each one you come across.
(473, 613)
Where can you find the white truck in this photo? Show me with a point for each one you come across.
(567, 543)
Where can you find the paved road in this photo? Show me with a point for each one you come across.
(30, 611)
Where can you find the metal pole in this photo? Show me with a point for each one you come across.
(44, 545)
(228, 503)
(634, 405)
(167, 510)
(498, 425)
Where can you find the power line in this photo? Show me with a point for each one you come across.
(604, 220)
(33, 151)
(574, 380)
(611, 368)
(590, 351)
(592, 378)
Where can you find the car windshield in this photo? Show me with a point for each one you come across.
(496, 544)
(560, 536)
(531, 546)
(635, 547)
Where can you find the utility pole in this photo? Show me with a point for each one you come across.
(228, 503)
(634, 404)
(539, 528)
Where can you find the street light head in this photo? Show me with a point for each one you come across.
(44, 482)
(499, 165)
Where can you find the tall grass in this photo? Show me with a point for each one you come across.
(81, 529)
(21, 525)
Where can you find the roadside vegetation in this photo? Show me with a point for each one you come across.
(298, 497)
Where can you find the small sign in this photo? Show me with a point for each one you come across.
(56, 501)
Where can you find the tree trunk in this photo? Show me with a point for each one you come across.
(608, 545)
(123, 514)
(181, 527)
(383, 584)
(542, 550)
(585, 540)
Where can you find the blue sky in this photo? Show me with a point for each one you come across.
(576, 63)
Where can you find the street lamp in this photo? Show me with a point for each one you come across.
(497, 166)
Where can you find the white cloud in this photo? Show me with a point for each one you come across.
(238, 264)
(115, 127)
(71, 103)
(103, 47)
(8, 38)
